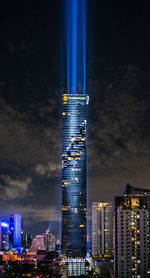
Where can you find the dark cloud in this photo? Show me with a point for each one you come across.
(119, 144)
(23, 142)
(33, 214)
(14, 188)
(48, 169)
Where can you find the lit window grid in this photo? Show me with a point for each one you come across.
(132, 251)
(102, 229)
(74, 175)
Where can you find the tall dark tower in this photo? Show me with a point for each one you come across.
(74, 175)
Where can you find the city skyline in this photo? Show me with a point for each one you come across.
(30, 101)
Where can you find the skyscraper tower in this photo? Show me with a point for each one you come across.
(16, 230)
(74, 175)
(4, 236)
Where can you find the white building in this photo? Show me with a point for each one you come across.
(102, 229)
(77, 267)
(131, 237)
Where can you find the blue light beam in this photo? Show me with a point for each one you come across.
(84, 42)
(76, 45)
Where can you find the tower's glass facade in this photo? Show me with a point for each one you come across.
(17, 229)
(4, 236)
(74, 168)
(11, 230)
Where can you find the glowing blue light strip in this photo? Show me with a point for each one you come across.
(68, 48)
(76, 45)
(84, 43)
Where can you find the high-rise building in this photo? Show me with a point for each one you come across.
(49, 241)
(74, 175)
(102, 229)
(27, 240)
(131, 237)
(11, 231)
(37, 244)
(132, 190)
(4, 236)
(136, 191)
(16, 230)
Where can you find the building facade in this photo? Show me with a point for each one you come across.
(4, 236)
(74, 175)
(49, 241)
(77, 268)
(11, 231)
(16, 230)
(102, 229)
(131, 237)
(27, 240)
(37, 244)
(136, 191)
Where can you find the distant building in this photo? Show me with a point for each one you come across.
(102, 229)
(27, 240)
(131, 237)
(4, 236)
(49, 241)
(16, 230)
(77, 267)
(37, 244)
(11, 231)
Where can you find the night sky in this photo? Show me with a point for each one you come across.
(32, 79)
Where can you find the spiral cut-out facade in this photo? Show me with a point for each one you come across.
(74, 175)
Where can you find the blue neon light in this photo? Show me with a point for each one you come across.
(84, 42)
(76, 46)
(68, 47)
(4, 224)
(17, 229)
